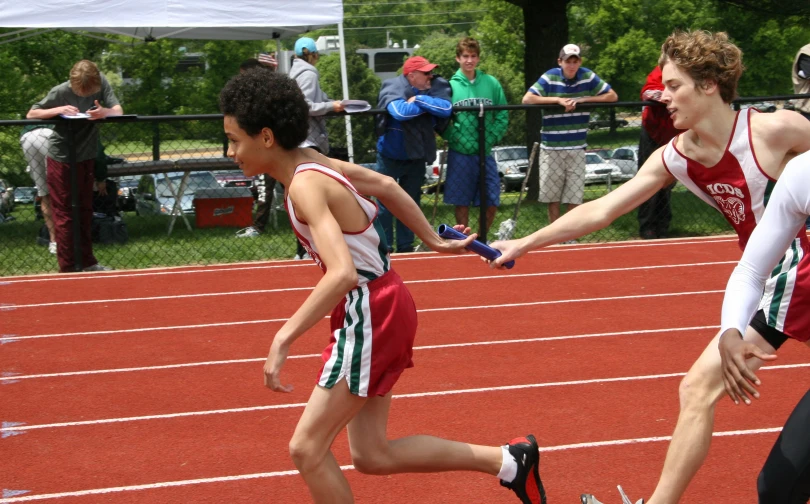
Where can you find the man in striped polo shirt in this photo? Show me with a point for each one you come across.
(562, 157)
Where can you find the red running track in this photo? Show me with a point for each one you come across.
(146, 386)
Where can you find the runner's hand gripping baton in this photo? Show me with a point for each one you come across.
(476, 246)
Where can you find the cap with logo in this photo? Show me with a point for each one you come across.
(417, 64)
(569, 50)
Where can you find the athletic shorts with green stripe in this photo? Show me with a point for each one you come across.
(786, 299)
(373, 330)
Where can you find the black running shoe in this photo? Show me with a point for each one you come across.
(527, 484)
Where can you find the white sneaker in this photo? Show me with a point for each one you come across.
(97, 267)
(301, 257)
(248, 232)
(52, 247)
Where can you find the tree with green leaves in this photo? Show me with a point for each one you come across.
(363, 85)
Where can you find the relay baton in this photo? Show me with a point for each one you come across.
(476, 246)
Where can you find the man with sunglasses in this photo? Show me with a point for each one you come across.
(417, 103)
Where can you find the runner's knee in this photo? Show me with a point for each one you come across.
(369, 460)
(306, 454)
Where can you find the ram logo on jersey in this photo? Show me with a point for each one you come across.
(734, 208)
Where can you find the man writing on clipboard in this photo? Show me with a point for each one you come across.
(88, 93)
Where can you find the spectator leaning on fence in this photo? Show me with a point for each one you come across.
(562, 155)
(655, 214)
(471, 88)
(87, 92)
(35, 143)
(417, 102)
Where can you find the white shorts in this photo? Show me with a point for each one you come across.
(35, 148)
(562, 176)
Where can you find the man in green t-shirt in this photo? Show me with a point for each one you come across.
(472, 87)
(83, 99)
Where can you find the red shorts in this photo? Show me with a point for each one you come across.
(372, 337)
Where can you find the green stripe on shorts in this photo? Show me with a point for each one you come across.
(357, 354)
(341, 343)
(779, 289)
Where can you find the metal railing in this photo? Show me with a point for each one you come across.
(164, 170)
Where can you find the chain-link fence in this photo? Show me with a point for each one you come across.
(172, 197)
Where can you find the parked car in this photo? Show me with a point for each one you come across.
(161, 200)
(605, 153)
(235, 178)
(512, 161)
(127, 190)
(597, 169)
(25, 195)
(6, 197)
(626, 158)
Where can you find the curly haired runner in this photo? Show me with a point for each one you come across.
(731, 160)
(373, 317)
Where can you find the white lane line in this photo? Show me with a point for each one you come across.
(619, 442)
(308, 288)
(161, 298)
(218, 268)
(142, 329)
(566, 301)
(309, 356)
(165, 416)
(157, 272)
(424, 310)
(277, 474)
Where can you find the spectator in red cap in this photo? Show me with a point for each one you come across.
(417, 104)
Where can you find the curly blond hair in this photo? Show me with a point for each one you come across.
(707, 57)
(85, 78)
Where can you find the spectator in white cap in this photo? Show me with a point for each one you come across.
(306, 75)
(562, 156)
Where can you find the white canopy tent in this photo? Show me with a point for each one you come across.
(150, 20)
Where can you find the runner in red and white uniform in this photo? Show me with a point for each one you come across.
(724, 158)
(785, 477)
(739, 188)
(373, 317)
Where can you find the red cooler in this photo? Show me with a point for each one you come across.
(224, 206)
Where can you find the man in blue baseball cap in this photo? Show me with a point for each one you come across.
(304, 46)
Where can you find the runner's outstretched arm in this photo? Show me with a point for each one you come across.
(594, 215)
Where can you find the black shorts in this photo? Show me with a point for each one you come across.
(772, 335)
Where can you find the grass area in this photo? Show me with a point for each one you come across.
(129, 148)
(150, 246)
(604, 139)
